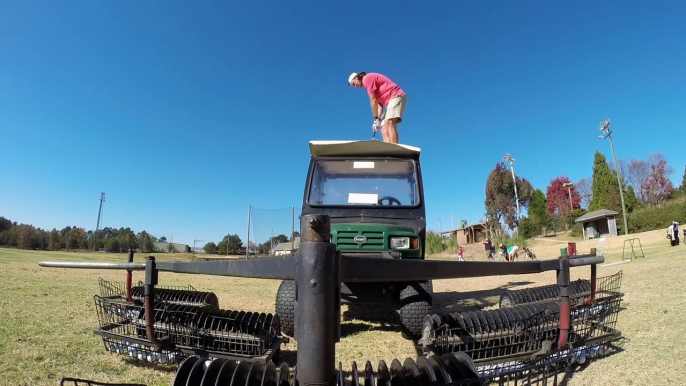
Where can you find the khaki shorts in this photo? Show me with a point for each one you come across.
(395, 108)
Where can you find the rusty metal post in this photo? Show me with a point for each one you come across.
(563, 280)
(317, 307)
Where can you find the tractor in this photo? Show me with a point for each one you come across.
(374, 196)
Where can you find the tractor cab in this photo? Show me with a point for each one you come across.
(372, 192)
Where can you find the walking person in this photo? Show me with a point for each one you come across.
(383, 92)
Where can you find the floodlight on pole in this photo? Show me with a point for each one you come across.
(569, 185)
(508, 158)
(605, 128)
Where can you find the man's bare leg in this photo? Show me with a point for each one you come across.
(391, 127)
(384, 132)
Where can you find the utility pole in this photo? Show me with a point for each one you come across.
(440, 227)
(271, 240)
(569, 185)
(605, 128)
(508, 158)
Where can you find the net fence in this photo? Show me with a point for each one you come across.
(274, 231)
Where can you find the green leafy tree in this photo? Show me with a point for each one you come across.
(234, 244)
(682, 188)
(112, 245)
(54, 240)
(500, 201)
(604, 186)
(5, 224)
(210, 247)
(537, 207)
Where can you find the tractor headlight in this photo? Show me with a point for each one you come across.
(400, 242)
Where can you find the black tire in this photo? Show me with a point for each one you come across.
(285, 307)
(416, 301)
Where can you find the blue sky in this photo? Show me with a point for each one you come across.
(186, 113)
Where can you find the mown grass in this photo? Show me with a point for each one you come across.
(47, 316)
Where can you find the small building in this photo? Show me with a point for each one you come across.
(598, 223)
(163, 246)
(472, 234)
(288, 248)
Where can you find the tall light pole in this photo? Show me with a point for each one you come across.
(569, 185)
(194, 240)
(508, 158)
(605, 128)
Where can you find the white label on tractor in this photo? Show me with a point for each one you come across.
(363, 198)
(363, 165)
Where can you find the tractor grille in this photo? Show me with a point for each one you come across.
(345, 240)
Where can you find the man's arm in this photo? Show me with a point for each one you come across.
(376, 106)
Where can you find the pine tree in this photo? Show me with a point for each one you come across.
(604, 183)
(537, 207)
(683, 182)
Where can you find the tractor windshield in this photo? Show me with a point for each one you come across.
(364, 182)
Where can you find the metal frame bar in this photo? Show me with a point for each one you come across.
(318, 270)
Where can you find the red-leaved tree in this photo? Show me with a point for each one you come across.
(558, 197)
(657, 186)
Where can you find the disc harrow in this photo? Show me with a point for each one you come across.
(223, 333)
(579, 291)
(522, 332)
(450, 368)
(170, 294)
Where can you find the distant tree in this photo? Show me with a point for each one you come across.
(54, 240)
(631, 200)
(682, 188)
(234, 244)
(658, 186)
(163, 239)
(112, 245)
(280, 239)
(501, 202)
(145, 242)
(583, 186)
(637, 174)
(297, 234)
(210, 247)
(24, 236)
(558, 197)
(537, 208)
(5, 224)
(604, 183)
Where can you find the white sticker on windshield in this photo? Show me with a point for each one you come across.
(363, 198)
(363, 165)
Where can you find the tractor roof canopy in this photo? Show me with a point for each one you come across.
(371, 148)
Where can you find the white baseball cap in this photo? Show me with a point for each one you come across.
(351, 77)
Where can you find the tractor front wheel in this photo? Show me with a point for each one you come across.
(416, 301)
(285, 307)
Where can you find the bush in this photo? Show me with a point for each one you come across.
(434, 243)
(577, 230)
(657, 216)
(529, 227)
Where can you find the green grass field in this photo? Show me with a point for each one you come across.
(47, 316)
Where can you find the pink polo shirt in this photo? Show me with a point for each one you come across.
(383, 88)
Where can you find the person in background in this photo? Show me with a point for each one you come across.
(490, 249)
(383, 92)
(503, 249)
(512, 253)
(460, 254)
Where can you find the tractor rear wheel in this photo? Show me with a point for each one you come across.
(285, 307)
(416, 301)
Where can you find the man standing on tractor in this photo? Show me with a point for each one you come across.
(383, 92)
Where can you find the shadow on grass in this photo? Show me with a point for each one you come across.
(151, 365)
(445, 302)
